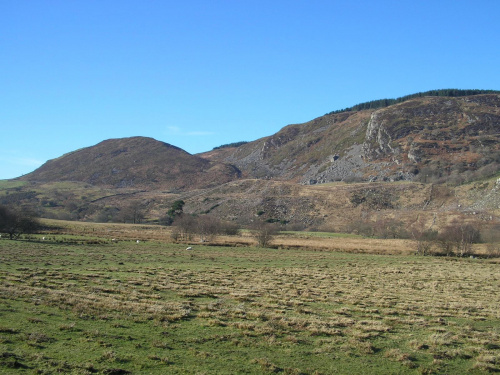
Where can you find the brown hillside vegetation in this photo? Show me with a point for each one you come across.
(426, 139)
(416, 165)
(137, 162)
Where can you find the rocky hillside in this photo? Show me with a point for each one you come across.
(137, 162)
(428, 139)
(444, 151)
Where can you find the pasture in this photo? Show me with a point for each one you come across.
(86, 305)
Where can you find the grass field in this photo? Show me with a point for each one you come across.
(85, 305)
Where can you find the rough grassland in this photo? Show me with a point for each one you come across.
(86, 306)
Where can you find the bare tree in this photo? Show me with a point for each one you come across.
(264, 233)
(133, 213)
(425, 240)
(493, 250)
(185, 227)
(15, 223)
(207, 227)
(228, 228)
(459, 236)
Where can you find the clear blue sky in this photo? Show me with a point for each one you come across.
(198, 74)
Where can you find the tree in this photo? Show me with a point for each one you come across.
(132, 213)
(177, 209)
(493, 250)
(207, 227)
(185, 228)
(425, 239)
(166, 220)
(15, 223)
(459, 236)
(264, 233)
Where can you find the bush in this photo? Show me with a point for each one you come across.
(373, 199)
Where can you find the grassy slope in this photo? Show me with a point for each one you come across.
(82, 305)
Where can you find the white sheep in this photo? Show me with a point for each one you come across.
(137, 241)
(189, 248)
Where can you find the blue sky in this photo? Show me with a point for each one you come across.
(199, 74)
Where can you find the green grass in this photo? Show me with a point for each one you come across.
(84, 305)
(11, 184)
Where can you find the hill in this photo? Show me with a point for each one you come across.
(418, 163)
(428, 139)
(137, 162)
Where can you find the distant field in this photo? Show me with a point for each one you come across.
(285, 240)
(85, 305)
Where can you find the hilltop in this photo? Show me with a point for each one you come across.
(136, 162)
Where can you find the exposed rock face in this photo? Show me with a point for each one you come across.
(438, 135)
(349, 166)
(378, 139)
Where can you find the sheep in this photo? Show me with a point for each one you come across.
(137, 241)
(189, 248)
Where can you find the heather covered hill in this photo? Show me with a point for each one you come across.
(418, 162)
(137, 162)
(424, 138)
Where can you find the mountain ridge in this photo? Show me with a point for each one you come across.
(390, 143)
(422, 163)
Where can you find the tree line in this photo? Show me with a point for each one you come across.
(382, 103)
(234, 144)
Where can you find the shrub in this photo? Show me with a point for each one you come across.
(373, 199)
